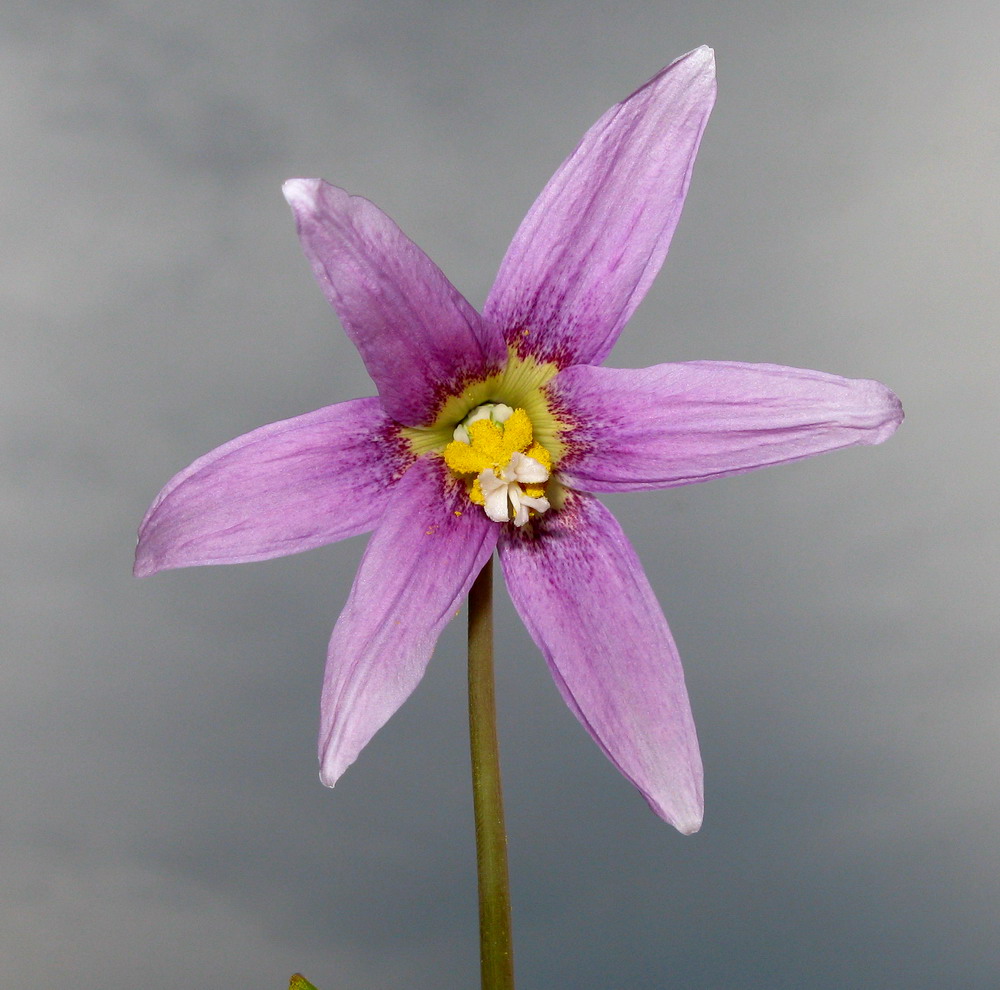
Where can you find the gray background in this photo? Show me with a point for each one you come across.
(162, 824)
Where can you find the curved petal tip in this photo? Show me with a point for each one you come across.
(881, 407)
(301, 193)
(144, 564)
(682, 804)
(695, 65)
(702, 55)
(687, 820)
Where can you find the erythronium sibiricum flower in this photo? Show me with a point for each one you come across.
(491, 430)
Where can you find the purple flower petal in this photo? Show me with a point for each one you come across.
(678, 423)
(286, 487)
(595, 238)
(419, 338)
(418, 567)
(581, 591)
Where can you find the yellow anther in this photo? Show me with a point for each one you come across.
(488, 440)
(537, 452)
(491, 445)
(517, 434)
(463, 459)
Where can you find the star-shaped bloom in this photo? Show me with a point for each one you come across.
(491, 430)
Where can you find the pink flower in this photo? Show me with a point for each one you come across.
(490, 430)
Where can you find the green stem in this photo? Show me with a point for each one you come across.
(495, 946)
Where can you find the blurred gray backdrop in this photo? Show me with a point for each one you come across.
(162, 824)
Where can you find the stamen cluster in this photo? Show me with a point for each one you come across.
(505, 470)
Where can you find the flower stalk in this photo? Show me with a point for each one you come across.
(495, 945)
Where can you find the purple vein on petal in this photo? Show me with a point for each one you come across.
(284, 488)
(674, 424)
(418, 567)
(590, 246)
(419, 338)
(581, 591)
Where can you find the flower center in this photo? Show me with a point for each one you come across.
(494, 450)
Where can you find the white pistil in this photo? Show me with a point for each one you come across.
(503, 493)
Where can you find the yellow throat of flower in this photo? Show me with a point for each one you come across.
(500, 437)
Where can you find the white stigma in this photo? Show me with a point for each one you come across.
(504, 493)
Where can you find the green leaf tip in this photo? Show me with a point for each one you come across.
(299, 982)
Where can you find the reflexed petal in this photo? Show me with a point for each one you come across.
(418, 567)
(581, 591)
(678, 423)
(595, 238)
(419, 338)
(286, 487)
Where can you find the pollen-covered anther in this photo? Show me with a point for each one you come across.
(505, 470)
(495, 412)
